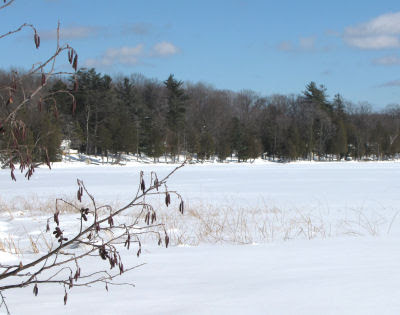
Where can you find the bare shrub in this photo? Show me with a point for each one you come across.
(101, 233)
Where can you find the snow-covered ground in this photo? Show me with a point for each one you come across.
(339, 221)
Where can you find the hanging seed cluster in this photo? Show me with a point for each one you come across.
(103, 245)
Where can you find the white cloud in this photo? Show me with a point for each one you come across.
(138, 29)
(285, 46)
(387, 60)
(68, 33)
(307, 43)
(122, 55)
(394, 83)
(373, 42)
(132, 55)
(303, 44)
(164, 49)
(382, 32)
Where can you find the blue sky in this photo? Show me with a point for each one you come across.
(352, 47)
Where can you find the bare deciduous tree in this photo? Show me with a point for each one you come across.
(100, 233)
(17, 95)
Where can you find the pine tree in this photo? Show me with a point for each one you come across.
(176, 101)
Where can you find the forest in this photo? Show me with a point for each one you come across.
(104, 115)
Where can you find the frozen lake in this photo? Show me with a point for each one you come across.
(300, 186)
(319, 273)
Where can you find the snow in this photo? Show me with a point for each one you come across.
(340, 276)
(350, 269)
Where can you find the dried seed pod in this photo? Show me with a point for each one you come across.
(103, 253)
(147, 218)
(139, 252)
(13, 176)
(79, 194)
(76, 276)
(110, 221)
(43, 79)
(128, 242)
(166, 240)
(65, 298)
(142, 185)
(121, 268)
(70, 55)
(167, 199)
(56, 220)
(75, 62)
(181, 207)
(35, 290)
(36, 39)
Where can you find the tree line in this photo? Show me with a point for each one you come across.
(134, 114)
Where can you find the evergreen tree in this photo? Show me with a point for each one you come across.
(176, 101)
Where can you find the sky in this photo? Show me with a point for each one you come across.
(351, 47)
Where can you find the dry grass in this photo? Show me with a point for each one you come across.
(241, 225)
(205, 223)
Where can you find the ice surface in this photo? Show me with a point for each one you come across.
(336, 275)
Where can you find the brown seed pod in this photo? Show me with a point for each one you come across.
(181, 207)
(65, 298)
(56, 220)
(35, 290)
(166, 240)
(142, 185)
(167, 199)
(70, 55)
(110, 221)
(75, 62)
(36, 39)
(43, 79)
(121, 268)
